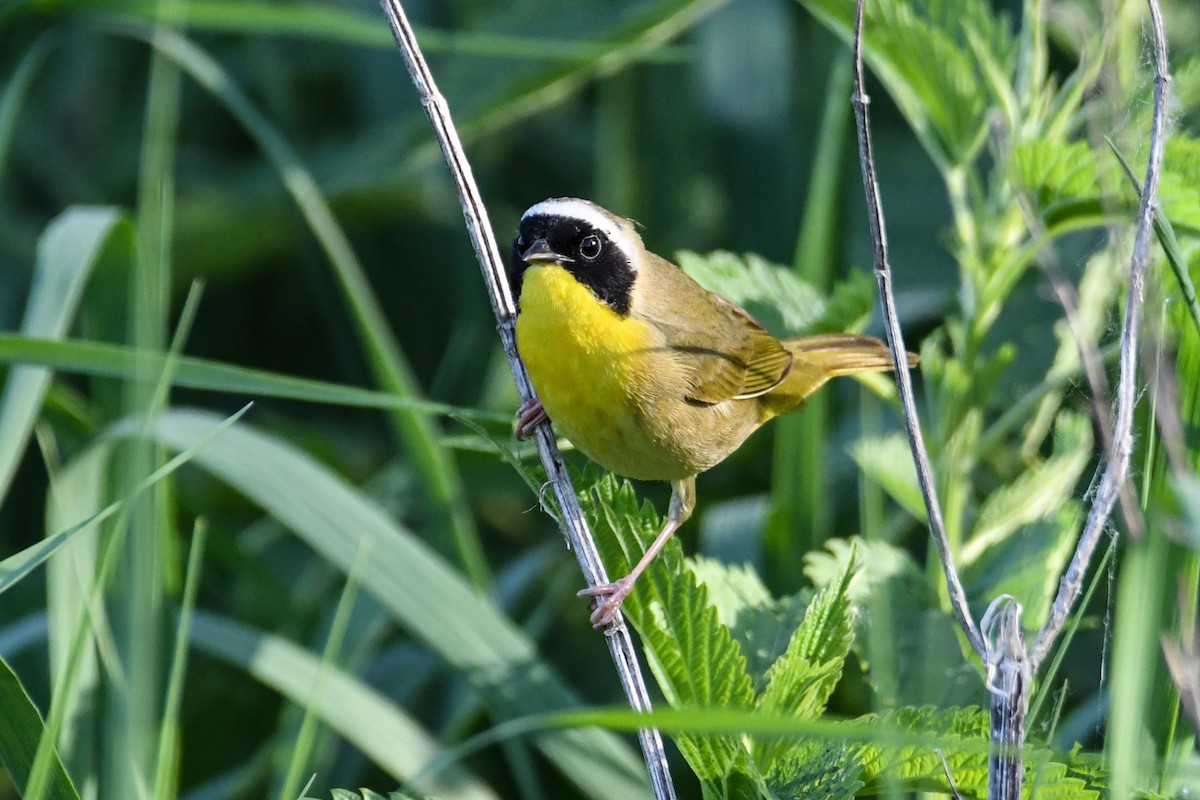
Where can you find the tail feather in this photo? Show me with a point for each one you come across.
(816, 359)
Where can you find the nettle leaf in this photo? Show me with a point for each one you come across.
(920, 766)
(824, 637)
(817, 770)
(1037, 492)
(1177, 195)
(1061, 178)
(801, 680)
(879, 562)
(908, 649)
(776, 297)
(694, 657)
(887, 461)
(1005, 568)
(963, 734)
(773, 295)
(920, 50)
(1032, 520)
(760, 624)
(850, 305)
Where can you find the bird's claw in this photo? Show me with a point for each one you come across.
(614, 594)
(529, 416)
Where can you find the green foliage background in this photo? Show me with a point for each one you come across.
(208, 202)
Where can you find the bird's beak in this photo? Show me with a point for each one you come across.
(540, 252)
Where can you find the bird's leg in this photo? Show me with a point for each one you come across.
(529, 416)
(683, 501)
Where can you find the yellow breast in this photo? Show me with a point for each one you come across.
(593, 370)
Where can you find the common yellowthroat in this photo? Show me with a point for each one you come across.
(648, 373)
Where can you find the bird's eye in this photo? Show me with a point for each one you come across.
(589, 248)
(521, 242)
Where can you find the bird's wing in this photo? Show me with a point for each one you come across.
(723, 351)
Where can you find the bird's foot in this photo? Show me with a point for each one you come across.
(529, 416)
(614, 594)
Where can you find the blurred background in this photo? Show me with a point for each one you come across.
(699, 119)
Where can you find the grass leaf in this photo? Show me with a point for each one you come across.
(416, 587)
(19, 737)
(67, 251)
(370, 721)
(694, 657)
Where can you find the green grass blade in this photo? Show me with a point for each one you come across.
(118, 361)
(166, 773)
(416, 587)
(306, 736)
(1170, 245)
(432, 463)
(15, 92)
(396, 742)
(18, 565)
(84, 624)
(77, 493)
(19, 736)
(67, 251)
(359, 29)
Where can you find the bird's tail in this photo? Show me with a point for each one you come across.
(816, 359)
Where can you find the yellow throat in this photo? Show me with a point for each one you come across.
(586, 362)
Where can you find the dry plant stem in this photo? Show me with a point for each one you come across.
(1116, 469)
(1008, 679)
(620, 643)
(883, 276)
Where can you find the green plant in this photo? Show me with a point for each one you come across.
(836, 633)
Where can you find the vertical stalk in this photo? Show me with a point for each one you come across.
(483, 240)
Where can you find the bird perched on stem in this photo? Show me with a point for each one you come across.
(648, 373)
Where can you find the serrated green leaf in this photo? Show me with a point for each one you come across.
(919, 49)
(801, 680)
(817, 770)
(1032, 520)
(887, 461)
(772, 294)
(1061, 178)
(694, 658)
(784, 303)
(732, 589)
(908, 648)
(1004, 568)
(879, 562)
(762, 625)
(1177, 196)
(826, 633)
(1037, 492)
(850, 305)
(920, 768)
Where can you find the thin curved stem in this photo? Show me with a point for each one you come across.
(620, 643)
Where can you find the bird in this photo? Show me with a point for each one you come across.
(649, 374)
